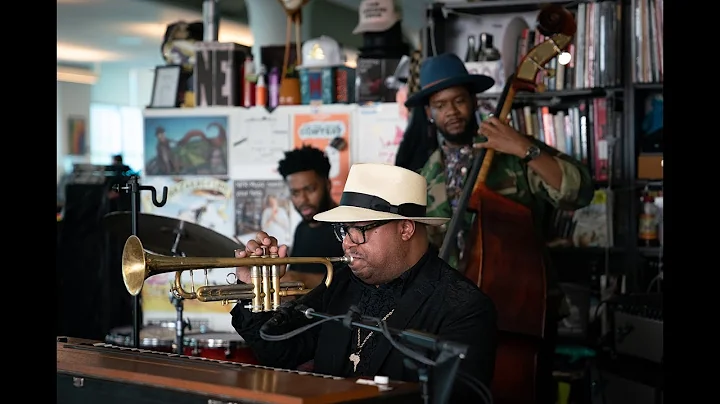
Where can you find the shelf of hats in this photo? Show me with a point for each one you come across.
(219, 122)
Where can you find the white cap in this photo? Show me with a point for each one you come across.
(376, 16)
(381, 380)
(320, 52)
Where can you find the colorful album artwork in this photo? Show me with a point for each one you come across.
(205, 201)
(186, 145)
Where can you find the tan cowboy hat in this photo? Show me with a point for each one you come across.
(381, 192)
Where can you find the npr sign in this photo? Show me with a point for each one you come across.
(218, 76)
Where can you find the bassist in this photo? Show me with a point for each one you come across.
(524, 170)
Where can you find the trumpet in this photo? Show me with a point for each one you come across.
(264, 291)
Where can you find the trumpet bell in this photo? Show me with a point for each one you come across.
(133, 265)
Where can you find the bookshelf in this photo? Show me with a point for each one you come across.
(633, 57)
(621, 87)
(644, 72)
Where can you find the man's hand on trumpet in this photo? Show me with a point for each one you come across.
(261, 239)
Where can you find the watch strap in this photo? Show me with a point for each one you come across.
(532, 153)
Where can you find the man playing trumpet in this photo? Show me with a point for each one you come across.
(395, 275)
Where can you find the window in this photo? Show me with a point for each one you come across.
(116, 130)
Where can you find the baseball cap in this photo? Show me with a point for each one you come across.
(320, 52)
(376, 16)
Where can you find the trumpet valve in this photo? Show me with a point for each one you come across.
(275, 279)
(256, 279)
(266, 287)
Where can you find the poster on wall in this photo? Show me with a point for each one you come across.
(77, 136)
(186, 145)
(205, 201)
(258, 143)
(382, 128)
(329, 132)
(263, 205)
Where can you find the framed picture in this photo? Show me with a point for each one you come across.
(166, 87)
(77, 136)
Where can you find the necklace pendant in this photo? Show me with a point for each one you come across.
(355, 359)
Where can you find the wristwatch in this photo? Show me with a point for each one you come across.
(531, 154)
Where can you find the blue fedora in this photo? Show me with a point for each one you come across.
(444, 71)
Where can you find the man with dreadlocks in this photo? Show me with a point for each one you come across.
(306, 172)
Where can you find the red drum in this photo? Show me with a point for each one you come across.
(152, 337)
(221, 346)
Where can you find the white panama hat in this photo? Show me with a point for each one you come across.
(381, 192)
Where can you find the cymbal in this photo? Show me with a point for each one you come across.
(158, 234)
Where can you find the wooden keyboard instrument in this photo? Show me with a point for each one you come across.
(96, 372)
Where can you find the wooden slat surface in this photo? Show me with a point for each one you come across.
(230, 381)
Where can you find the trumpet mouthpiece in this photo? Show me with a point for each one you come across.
(345, 260)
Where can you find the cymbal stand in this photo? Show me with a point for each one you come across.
(175, 298)
(180, 325)
(134, 188)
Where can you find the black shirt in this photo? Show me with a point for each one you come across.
(319, 241)
(378, 302)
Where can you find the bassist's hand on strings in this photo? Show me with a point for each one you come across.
(502, 138)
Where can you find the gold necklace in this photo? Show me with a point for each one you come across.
(355, 356)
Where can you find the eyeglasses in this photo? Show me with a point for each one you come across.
(356, 233)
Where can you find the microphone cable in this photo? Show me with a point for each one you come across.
(297, 331)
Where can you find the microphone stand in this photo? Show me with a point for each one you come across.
(448, 355)
(134, 188)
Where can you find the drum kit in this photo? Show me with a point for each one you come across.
(177, 238)
(226, 346)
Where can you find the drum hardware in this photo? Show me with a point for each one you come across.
(177, 300)
(180, 324)
(264, 292)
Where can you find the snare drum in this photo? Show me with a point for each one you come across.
(220, 346)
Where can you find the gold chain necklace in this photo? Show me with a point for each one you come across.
(355, 356)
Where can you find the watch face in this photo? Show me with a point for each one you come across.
(534, 151)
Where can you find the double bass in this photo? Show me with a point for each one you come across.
(505, 256)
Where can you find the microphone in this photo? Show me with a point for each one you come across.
(283, 314)
(305, 310)
(352, 317)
